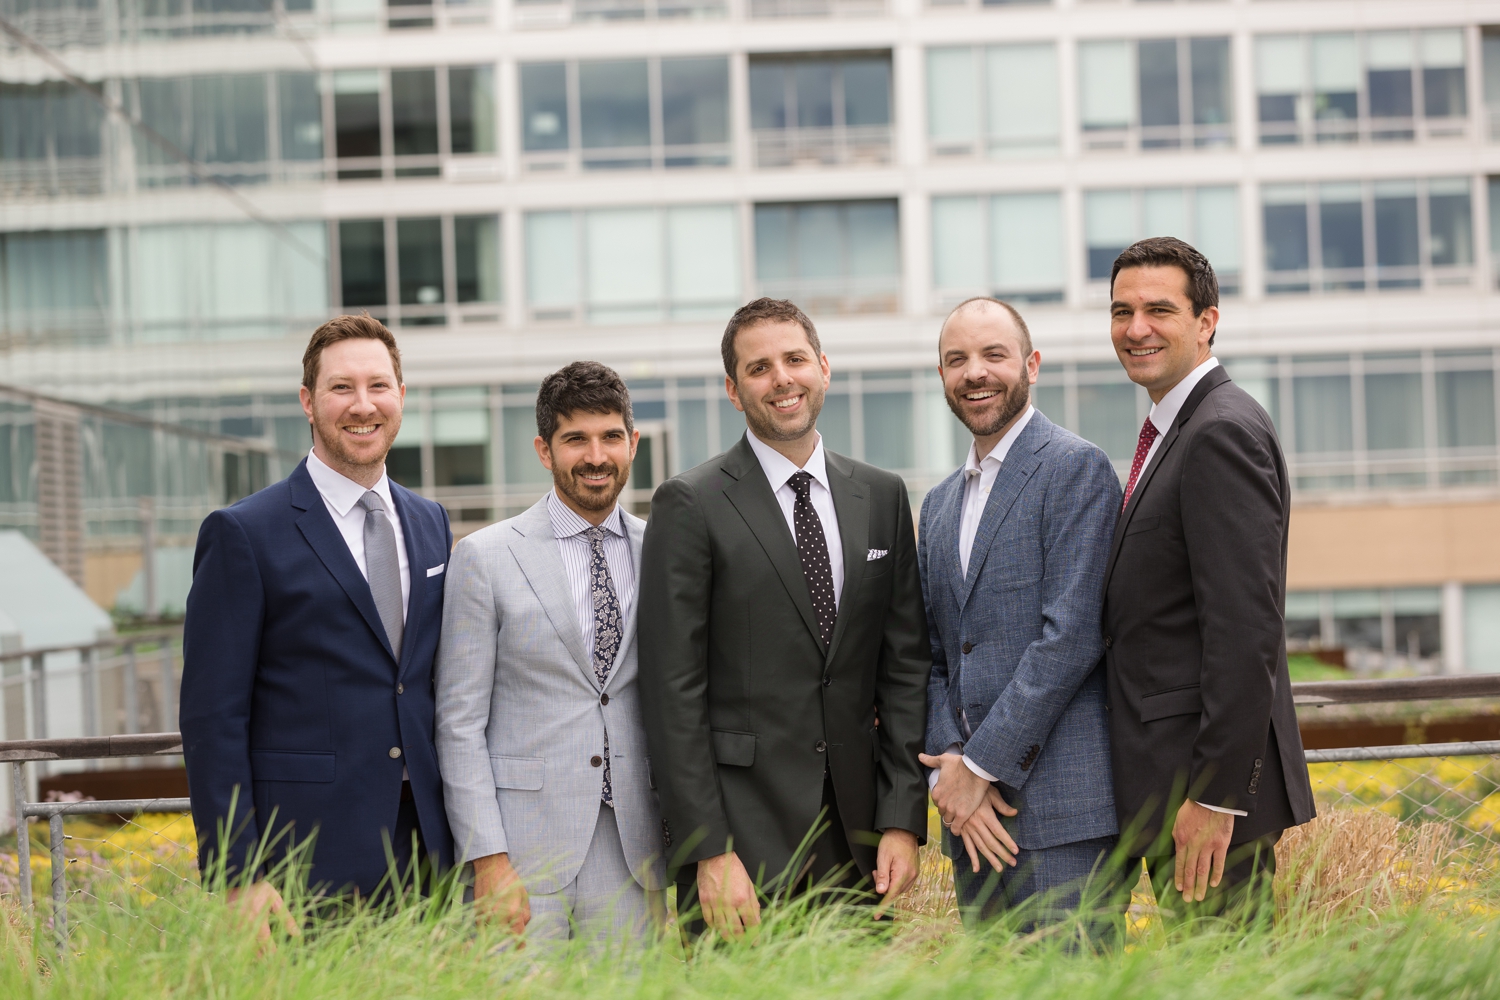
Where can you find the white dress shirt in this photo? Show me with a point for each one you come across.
(1164, 415)
(341, 496)
(779, 469)
(578, 559)
(979, 479)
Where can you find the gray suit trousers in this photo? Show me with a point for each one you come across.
(603, 902)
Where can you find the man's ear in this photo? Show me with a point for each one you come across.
(543, 452)
(733, 390)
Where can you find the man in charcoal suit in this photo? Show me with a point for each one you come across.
(538, 719)
(1012, 549)
(1208, 762)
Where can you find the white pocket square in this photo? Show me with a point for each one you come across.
(437, 569)
(877, 554)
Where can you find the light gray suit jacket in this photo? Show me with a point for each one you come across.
(520, 712)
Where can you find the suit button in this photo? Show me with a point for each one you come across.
(394, 752)
(827, 681)
(604, 699)
(400, 688)
(968, 648)
(596, 761)
(1108, 641)
(820, 746)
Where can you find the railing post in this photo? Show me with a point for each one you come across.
(88, 684)
(59, 883)
(23, 836)
(168, 699)
(39, 703)
(132, 696)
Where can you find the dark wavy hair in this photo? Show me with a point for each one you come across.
(1169, 251)
(583, 386)
(763, 310)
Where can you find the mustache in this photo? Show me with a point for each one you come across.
(584, 469)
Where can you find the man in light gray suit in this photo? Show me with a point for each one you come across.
(1012, 550)
(539, 736)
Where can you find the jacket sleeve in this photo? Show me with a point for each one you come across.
(220, 655)
(1233, 524)
(675, 589)
(942, 730)
(1078, 524)
(464, 676)
(901, 680)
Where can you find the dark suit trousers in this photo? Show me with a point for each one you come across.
(1043, 888)
(1243, 894)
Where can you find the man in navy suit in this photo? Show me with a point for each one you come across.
(1012, 550)
(307, 704)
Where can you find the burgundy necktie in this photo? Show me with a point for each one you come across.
(1142, 449)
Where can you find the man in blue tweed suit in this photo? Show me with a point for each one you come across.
(1012, 550)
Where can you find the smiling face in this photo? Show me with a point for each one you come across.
(589, 457)
(355, 408)
(987, 371)
(1155, 334)
(781, 381)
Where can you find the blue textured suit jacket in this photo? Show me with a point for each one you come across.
(291, 697)
(1031, 682)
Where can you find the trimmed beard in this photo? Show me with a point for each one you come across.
(566, 484)
(1014, 400)
(768, 431)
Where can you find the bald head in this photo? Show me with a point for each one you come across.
(989, 314)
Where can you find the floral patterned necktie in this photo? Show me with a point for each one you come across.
(607, 631)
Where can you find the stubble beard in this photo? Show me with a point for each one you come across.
(1013, 400)
(343, 458)
(765, 427)
(566, 482)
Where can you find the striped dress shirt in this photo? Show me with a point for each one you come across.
(577, 555)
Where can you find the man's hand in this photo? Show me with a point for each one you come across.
(895, 866)
(959, 791)
(727, 895)
(259, 902)
(1202, 838)
(499, 894)
(985, 834)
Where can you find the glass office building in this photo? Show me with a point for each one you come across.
(515, 184)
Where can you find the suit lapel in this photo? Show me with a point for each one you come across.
(635, 532)
(949, 521)
(751, 495)
(416, 571)
(535, 548)
(851, 503)
(1015, 472)
(317, 526)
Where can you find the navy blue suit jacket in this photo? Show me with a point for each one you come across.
(1016, 644)
(291, 698)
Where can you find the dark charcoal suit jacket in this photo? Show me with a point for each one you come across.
(1195, 644)
(743, 704)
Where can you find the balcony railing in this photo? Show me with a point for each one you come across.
(558, 13)
(711, 154)
(1368, 279)
(51, 178)
(815, 8)
(827, 147)
(1149, 137)
(1363, 130)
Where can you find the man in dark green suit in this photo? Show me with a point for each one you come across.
(780, 617)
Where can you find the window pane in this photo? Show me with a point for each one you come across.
(1023, 101)
(521, 465)
(1324, 414)
(1393, 412)
(1106, 416)
(867, 92)
(54, 282)
(301, 111)
(551, 260)
(1160, 100)
(362, 262)
(768, 97)
(414, 111)
(476, 257)
(952, 95)
(874, 249)
(1341, 216)
(356, 112)
(544, 106)
(1335, 70)
(1389, 58)
(813, 83)
(230, 118)
(773, 243)
(1026, 246)
(694, 101)
(1213, 98)
(1396, 232)
(419, 261)
(957, 244)
(1164, 213)
(1280, 80)
(1452, 222)
(1285, 210)
(624, 264)
(819, 241)
(613, 108)
(471, 109)
(731, 424)
(1217, 229)
(1444, 93)
(1466, 409)
(1109, 227)
(835, 424)
(704, 260)
(166, 108)
(888, 429)
(1106, 84)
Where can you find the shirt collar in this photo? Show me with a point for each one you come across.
(1164, 413)
(567, 522)
(341, 492)
(778, 468)
(997, 454)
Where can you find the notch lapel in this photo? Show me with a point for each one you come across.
(948, 521)
(415, 571)
(1015, 472)
(535, 549)
(851, 504)
(317, 526)
(751, 496)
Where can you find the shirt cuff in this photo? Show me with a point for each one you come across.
(932, 775)
(987, 776)
(1217, 809)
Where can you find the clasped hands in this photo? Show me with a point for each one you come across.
(971, 808)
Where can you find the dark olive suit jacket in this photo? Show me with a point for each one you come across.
(1195, 644)
(743, 704)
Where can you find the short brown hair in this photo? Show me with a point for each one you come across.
(585, 386)
(1026, 347)
(763, 310)
(361, 327)
(1169, 251)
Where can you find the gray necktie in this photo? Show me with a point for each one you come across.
(383, 568)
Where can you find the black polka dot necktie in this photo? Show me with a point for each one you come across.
(812, 548)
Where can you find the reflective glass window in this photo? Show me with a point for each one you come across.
(1451, 222)
(1159, 93)
(54, 282)
(544, 106)
(419, 264)
(1388, 61)
(356, 117)
(1030, 267)
(694, 107)
(952, 95)
(1107, 417)
(1393, 412)
(614, 108)
(1466, 409)
(1341, 219)
(1021, 97)
(300, 109)
(1444, 91)
(1324, 414)
(1107, 84)
(1213, 97)
(551, 260)
(362, 262)
(414, 123)
(867, 92)
(476, 258)
(889, 426)
(471, 109)
(1397, 234)
(1335, 80)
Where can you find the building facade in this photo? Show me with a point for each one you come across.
(512, 185)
